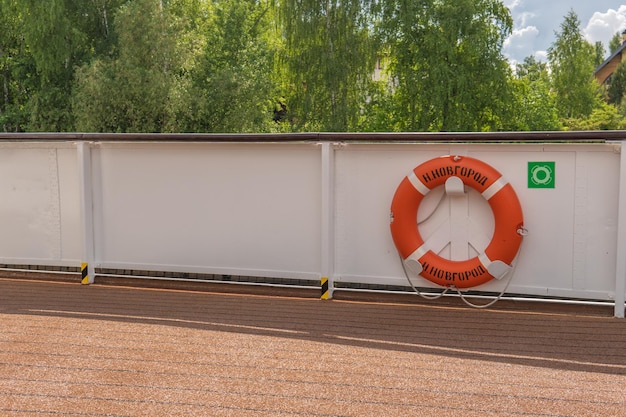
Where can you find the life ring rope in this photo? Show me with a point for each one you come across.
(459, 292)
(496, 259)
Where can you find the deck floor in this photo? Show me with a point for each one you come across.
(109, 350)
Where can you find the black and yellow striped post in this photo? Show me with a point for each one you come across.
(325, 290)
(84, 273)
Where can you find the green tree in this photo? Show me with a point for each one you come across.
(446, 58)
(61, 35)
(17, 69)
(329, 61)
(183, 65)
(402, 29)
(571, 60)
(232, 85)
(535, 102)
(599, 52)
(603, 117)
(377, 113)
(615, 43)
(617, 85)
(129, 92)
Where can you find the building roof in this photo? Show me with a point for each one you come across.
(608, 67)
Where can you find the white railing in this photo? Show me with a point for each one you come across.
(306, 206)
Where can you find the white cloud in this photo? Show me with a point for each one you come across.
(602, 26)
(512, 4)
(541, 56)
(521, 43)
(524, 18)
(600, 20)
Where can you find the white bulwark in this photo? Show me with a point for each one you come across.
(307, 207)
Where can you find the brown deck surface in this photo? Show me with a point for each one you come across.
(100, 350)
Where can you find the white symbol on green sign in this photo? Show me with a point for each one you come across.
(541, 174)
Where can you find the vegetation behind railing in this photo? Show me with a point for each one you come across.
(290, 66)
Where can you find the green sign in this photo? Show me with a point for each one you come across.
(541, 174)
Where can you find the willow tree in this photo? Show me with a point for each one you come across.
(329, 61)
(446, 56)
(17, 69)
(403, 28)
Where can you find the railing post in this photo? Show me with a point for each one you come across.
(328, 220)
(87, 266)
(620, 268)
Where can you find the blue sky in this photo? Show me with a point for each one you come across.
(536, 21)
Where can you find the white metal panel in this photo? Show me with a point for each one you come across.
(366, 180)
(546, 254)
(218, 208)
(563, 254)
(569, 250)
(69, 198)
(32, 224)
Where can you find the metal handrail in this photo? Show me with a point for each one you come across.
(389, 137)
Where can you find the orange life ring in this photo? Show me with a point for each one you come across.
(495, 261)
